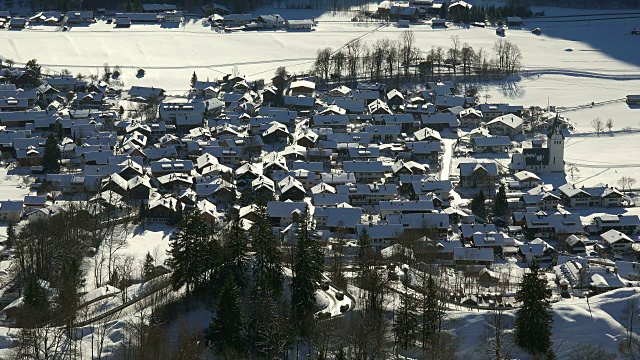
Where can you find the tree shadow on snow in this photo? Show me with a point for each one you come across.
(611, 37)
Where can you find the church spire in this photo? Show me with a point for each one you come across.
(555, 128)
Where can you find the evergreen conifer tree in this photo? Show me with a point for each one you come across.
(227, 330)
(235, 263)
(51, 156)
(307, 268)
(189, 253)
(444, 10)
(500, 204)
(59, 130)
(534, 320)
(194, 79)
(364, 250)
(11, 235)
(431, 314)
(267, 270)
(478, 205)
(405, 322)
(36, 306)
(142, 214)
(148, 266)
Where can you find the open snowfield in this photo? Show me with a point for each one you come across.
(170, 55)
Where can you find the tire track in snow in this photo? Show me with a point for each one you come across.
(203, 66)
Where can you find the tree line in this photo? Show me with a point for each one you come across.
(399, 61)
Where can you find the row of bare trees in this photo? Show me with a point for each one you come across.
(403, 61)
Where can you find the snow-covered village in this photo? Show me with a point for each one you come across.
(300, 179)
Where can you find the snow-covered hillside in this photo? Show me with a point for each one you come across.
(575, 322)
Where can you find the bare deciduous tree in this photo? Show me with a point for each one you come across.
(626, 183)
(454, 53)
(467, 54)
(630, 320)
(597, 125)
(573, 170)
(497, 343)
(323, 63)
(354, 50)
(609, 124)
(407, 50)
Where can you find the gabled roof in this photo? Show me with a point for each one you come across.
(469, 229)
(302, 84)
(509, 120)
(473, 254)
(278, 209)
(346, 216)
(290, 183)
(526, 176)
(469, 168)
(363, 166)
(427, 134)
(323, 199)
(614, 236)
(492, 141)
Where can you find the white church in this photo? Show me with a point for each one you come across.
(541, 159)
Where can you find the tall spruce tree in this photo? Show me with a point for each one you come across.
(534, 320)
(190, 249)
(148, 266)
(431, 314)
(478, 205)
(36, 305)
(52, 155)
(500, 204)
(405, 321)
(11, 235)
(267, 270)
(307, 268)
(59, 130)
(365, 254)
(227, 330)
(235, 263)
(142, 214)
(194, 79)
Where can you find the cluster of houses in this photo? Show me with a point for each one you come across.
(154, 14)
(362, 158)
(256, 22)
(414, 10)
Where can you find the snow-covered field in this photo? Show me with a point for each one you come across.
(170, 55)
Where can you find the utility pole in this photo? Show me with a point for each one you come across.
(547, 104)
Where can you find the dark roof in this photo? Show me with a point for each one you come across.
(536, 156)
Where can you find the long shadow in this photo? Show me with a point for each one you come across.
(611, 37)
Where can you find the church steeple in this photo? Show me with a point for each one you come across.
(555, 128)
(555, 143)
